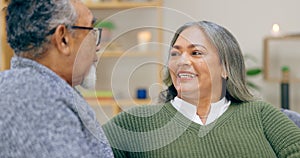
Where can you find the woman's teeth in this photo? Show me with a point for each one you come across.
(186, 75)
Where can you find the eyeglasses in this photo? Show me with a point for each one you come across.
(96, 30)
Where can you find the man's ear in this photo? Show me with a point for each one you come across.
(62, 40)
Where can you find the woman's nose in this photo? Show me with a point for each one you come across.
(184, 60)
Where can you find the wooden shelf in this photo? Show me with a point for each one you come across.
(121, 5)
(121, 102)
(135, 55)
(3, 4)
(6, 52)
(283, 37)
(116, 104)
(267, 62)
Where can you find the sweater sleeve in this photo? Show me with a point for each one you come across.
(282, 134)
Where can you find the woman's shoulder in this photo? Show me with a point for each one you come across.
(255, 103)
(257, 106)
(136, 114)
(139, 119)
(140, 111)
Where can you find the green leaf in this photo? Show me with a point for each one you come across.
(253, 71)
(105, 24)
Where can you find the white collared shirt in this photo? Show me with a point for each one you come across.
(190, 110)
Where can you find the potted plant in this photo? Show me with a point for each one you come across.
(252, 72)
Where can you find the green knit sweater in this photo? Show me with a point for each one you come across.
(252, 129)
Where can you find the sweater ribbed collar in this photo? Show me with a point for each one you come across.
(187, 123)
(190, 110)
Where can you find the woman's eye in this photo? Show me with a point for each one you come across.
(174, 53)
(197, 53)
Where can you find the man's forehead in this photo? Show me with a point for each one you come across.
(84, 15)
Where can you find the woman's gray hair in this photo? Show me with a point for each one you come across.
(29, 24)
(230, 56)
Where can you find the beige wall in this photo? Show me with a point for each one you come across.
(250, 22)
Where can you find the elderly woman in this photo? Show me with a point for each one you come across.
(207, 110)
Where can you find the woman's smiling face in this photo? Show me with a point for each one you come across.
(195, 67)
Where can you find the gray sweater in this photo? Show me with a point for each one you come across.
(43, 116)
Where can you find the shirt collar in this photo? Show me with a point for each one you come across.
(190, 110)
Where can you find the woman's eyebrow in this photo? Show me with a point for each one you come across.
(196, 45)
(176, 47)
(190, 46)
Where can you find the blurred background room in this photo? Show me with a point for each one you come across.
(137, 33)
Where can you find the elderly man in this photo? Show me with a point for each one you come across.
(41, 114)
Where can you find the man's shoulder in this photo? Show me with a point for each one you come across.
(25, 92)
(13, 75)
(30, 82)
(19, 77)
(15, 82)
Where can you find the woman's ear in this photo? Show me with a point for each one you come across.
(62, 40)
(224, 73)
